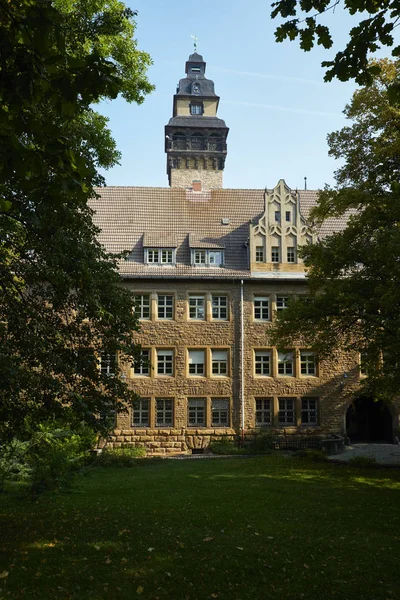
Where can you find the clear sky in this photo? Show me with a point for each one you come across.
(273, 97)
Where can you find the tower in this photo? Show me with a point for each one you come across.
(195, 138)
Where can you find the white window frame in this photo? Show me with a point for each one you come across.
(219, 362)
(165, 362)
(196, 362)
(287, 407)
(285, 364)
(195, 408)
(220, 412)
(197, 307)
(165, 307)
(142, 411)
(261, 308)
(309, 412)
(206, 257)
(164, 408)
(141, 366)
(196, 108)
(291, 256)
(160, 256)
(308, 363)
(260, 254)
(262, 363)
(282, 302)
(219, 307)
(143, 306)
(264, 407)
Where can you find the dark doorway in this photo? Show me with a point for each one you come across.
(368, 420)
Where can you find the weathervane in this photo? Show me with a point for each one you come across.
(194, 38)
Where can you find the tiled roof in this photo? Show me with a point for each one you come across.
(159, 239)
(204, 241)
(124, 214)
(196, 121)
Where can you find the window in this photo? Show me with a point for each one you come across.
(278, 216)
(142, 364)
(288, 216)
(262, 362)
(220, 412)
(285, 363)
(219, 362)
(208, 258)
(281, 302)
(165, 306)
(160, 256)
(107, 363)
(291, 255)
(260, 254)
(219, 306)
(196, 308)
(196, 108)
(275, 254)
(164, 412)
(196, 412)
(261, 308)
(263, 412)
(165, 362)
(309, 411)
(307, 363)
(286, 415)
(140, 412)
(142, 305)
(196, 362)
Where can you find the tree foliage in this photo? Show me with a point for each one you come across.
(61, 303)
(354, 274)
(367, 36)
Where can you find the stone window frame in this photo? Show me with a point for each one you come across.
(168, 352)
(142, 410)
(141, 366)
(152, 410)
(263, 407)
(193, 403)
(216, 365)
(291, 255)
(211, 308)
(208, 417)
(308, 368)
(142, 308)
(275, 254)
(260, 254)
(287, 407)
(164, 410)
(291, 405)
(219, 307)
(160, 256)
(260, 353)
(265, 305)
(218, 415)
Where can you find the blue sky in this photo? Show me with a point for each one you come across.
(273, 97)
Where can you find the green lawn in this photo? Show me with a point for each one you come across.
(259, 528)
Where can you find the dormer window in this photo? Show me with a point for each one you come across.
(207, 258)
(196, 108)
(195, 69)
(159, 256)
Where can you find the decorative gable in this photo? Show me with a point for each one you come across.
(277, 234)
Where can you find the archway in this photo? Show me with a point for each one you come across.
(368, 420)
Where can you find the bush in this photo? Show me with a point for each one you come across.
(262, 443)
(55, 454)
(311, 454)
(226, 447)
(363, 462)
(13, 465)
(120, 457)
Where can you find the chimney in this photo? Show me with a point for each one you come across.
(196, 185)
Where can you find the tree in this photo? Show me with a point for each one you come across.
(367, 36)
(354, 275)
(61, 303)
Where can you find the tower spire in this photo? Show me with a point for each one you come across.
(195, 40)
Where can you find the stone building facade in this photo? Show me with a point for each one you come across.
(211, 269)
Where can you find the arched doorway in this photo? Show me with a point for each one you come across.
(368, 420)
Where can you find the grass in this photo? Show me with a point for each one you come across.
(269, 527)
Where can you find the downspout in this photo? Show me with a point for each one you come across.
(242, 359)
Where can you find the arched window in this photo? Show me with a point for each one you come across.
(197, 141)
(215, 142)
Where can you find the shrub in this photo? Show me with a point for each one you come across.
(262, 443)
(13, 465)
(363, 462)
(225, 447)
(312, 454)
(120, 457)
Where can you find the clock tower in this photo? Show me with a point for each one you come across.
(195, 138)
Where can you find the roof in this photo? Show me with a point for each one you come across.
(168, 215)
(197, 121)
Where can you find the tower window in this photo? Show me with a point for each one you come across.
(275, 258)
(197, 142)
(291, 255)
(196, 108)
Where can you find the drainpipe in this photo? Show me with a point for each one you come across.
(242, 358)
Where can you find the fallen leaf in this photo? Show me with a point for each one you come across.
(208, 539)
(3, 574)
(108, 560)
(239, 547)
(306, 566)
(140, 589)
(150, 549)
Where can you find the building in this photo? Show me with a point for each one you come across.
(210, 268)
